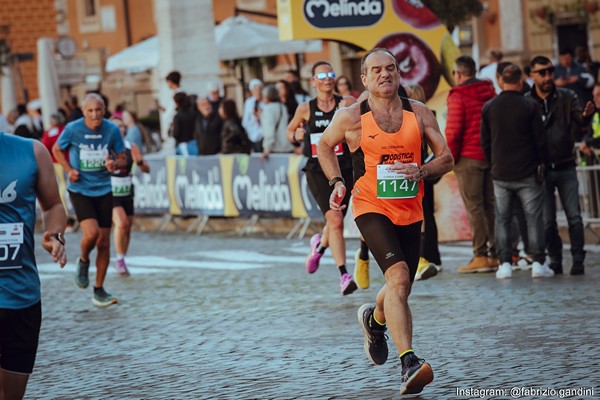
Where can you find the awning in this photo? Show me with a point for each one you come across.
(236, 38)
(137, 58)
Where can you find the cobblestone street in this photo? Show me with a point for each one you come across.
(228, 317)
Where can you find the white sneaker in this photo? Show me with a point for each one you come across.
(504, 271)
(541, 271)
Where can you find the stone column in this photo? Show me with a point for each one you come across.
(9, 92)
(48, 86)
(187, 44)
(511, 25)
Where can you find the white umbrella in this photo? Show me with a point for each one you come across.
(236, 37)
(137, 58)
(239, 37)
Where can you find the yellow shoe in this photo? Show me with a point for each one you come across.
(361, 271)
(477, 264)
(425, 270)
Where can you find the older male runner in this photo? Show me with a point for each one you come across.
(95, 150)
(387, 136)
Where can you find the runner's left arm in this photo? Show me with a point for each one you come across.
(54, 214)
(443, 161)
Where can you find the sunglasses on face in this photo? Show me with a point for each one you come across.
(324, 75)
(544, 71)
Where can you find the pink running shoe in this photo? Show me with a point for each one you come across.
(122, 268)
(312, 261)
(347, 284)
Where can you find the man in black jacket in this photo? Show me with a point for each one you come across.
(563, 120)
(514, 144)
(208, 128)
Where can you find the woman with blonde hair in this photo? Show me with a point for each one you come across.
(416, 92)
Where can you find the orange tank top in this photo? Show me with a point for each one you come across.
(386, 192)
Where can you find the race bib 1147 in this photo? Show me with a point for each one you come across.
(392, 185)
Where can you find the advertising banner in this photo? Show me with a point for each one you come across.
(196, 186)
(422, 45)
(151, 193)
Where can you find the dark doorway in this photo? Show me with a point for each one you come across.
(571, 35)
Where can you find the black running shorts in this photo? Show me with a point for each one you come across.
(124, 201)
(389, 243)
(19, 335)
(98, 208)
(321, 191)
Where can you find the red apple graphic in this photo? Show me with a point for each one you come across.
(416, 14)
(416, 60)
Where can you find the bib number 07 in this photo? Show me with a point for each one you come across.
(8, 252)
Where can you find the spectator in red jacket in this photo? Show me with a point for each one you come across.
(57, 124)
(472, 171)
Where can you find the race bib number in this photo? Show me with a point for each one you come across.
(121, 185)
(392, 185)
(92, 160)
(314, 141)
(11, 243)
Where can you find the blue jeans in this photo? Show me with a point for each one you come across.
(187, 148)
(565, 181)
(531, 196)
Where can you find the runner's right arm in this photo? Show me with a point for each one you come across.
(54, 214)
(72, 173)
(295, 130)
(343, 121)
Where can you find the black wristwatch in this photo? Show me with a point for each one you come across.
(58, 236)
(335, 180)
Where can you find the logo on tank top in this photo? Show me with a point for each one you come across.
(398, 157)
(322, 123)
(9, 194)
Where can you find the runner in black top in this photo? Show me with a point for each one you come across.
(310, 120)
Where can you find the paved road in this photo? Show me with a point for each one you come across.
(223, 317)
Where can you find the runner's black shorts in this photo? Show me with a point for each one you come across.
(98, 208)
(124, 201)
(389, 243)
(19, 336)
(318, 184)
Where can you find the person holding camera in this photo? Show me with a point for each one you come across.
(514, 144)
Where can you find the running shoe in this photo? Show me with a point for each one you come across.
(102, 298)
(541, 271)
(415, 375)
(361, 271)
(312, 261)
(82, 279)
(375, 343)
(504, 271)
(121, 268)
(425, 270)
(347, 284)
